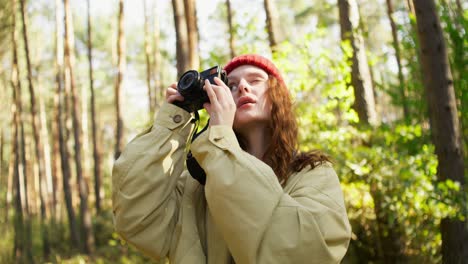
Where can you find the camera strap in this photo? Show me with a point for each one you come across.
(194, 168)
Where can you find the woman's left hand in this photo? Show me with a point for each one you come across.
(221, 107)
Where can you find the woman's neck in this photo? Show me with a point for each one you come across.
(256, 140)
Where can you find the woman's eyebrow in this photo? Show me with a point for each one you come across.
(249, 75)
(255, 74)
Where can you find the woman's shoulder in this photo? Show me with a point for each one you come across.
(315, 175)
(320, 180)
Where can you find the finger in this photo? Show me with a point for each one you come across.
(219, 82)
(227, 95)
(210, 91)
(207, 107)
(175, 97)
(171, 91)
(226, 90)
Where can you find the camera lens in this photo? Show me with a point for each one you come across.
(187, 81)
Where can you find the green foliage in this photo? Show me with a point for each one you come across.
(410, 58)
(110, 248)
(397, 159)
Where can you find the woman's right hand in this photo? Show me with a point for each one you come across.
(173, 95)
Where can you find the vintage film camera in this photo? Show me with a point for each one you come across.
(190, 86)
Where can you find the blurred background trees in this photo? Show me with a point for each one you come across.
(381, 86)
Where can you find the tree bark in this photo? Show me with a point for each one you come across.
(119, 142)
(158, 91)
(69, 57)
(11, 163)
(56, 164)
(47, 181)
(459, 8)
(410, 6)
(65, 163)
(360, 74)
(192, 33)
(232, 50)
(272, 24)
(36, 129)
(18, 222)
(445, 126)
(396, 46)
(2, 149)
(182, 47)
(14, 156)
(22, 225)
(63, 148)
(147, 48)
(94, 126)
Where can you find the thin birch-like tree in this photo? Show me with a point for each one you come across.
(192, 34)
(232, 50)
(396, 46)
(85, 217)
(94, 118)
(121, 64)
(182, 47)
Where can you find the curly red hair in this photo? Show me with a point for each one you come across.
(283, 154)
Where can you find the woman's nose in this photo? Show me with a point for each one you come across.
(244, 86)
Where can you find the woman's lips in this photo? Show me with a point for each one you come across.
(245, 101)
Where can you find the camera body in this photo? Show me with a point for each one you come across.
(190, 86)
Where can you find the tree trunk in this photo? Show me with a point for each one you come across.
(11, 163)
(69, 57)
(360, 74)
(2, 148)
(231, 29)
(65, 155)
(65, 164)
(63, 148)
(158, 91)
(36, 129)
(182, 47)
(396, 46)
(94, 127)
(47, 181)
(56, 165)
(45, 184)
(192, 33)
(119, 142)
(273, 24)
(86, 153)
(445, 125)
(148, 62)
(13, 170)
(22, 243)
(459, 8)
(410, 6)
(19, 240)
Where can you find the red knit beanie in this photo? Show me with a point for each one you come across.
(255, 60)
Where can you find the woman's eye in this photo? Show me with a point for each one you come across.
(255, 81)
(232, 87)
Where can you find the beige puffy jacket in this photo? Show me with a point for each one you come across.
(242, 215)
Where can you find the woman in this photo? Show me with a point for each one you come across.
(263, 201)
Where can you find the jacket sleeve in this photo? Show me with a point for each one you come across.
(147, 184)
(260, 222)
